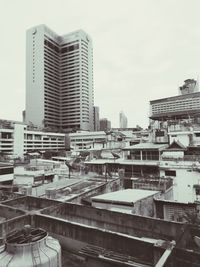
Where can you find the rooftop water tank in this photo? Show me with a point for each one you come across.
(30, 247)
(51, 192)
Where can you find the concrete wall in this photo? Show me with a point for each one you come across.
(113, 207)
(98, 237)
(31, 203)
(145, 206)
(110, 186)
(13, 224)
(185, 258)
(18, 142)
(9, 212)
(116, 221)
(183, 190)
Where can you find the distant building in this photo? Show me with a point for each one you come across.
(105, 124)
(59, 79)
(87, 140)
(174, 115)
(16, 139)
(123, 122)
(96, 118)
(183, 106)
(190, 86)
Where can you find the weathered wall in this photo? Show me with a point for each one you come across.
(98, 237)
(110, 186)
(184, 258)
(9, 212)
(145, 206)
(31, 203)
(118, 222)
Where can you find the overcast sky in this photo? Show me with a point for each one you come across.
(143, 50)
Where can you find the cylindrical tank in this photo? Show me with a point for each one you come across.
(51, 192)
(31, 247)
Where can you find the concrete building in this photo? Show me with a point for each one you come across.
(175, 107)
(59, 79)
(123, 122)
(176, 115)
(96, 118)
(189, 86)
(87, 140)
(105, 124)
(16, 139)
(100, 140)
(132, 201)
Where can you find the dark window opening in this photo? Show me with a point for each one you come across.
(170, 173)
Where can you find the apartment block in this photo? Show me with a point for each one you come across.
(16, 139)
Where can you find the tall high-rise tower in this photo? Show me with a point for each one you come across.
(123, 122)
(59, 79)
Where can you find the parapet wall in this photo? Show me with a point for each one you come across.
(29, 203)
(119, 222)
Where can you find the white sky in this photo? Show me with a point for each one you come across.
(143, 49)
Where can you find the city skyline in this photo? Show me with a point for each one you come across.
(142, 51)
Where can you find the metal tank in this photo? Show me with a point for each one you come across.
(30, 247)
(51, 192)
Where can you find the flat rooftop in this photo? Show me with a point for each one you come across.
(127, 196)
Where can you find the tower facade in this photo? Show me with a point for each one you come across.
(105, 124)
(123, 122)
(59, 79)
(96, 118)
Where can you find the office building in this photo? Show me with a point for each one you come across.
(177, 117)
(183, 106)
(59, 79)
(16, 139)
(96, 118)
(105, 124)
(123, 122)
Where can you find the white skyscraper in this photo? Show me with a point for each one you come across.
(59, 79)
(123, 122)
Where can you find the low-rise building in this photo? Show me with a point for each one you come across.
(133, 201)
(17, 138)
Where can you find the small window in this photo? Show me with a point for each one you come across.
(197, 191)
(170, 173)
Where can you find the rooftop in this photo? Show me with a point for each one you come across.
(127, 196)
